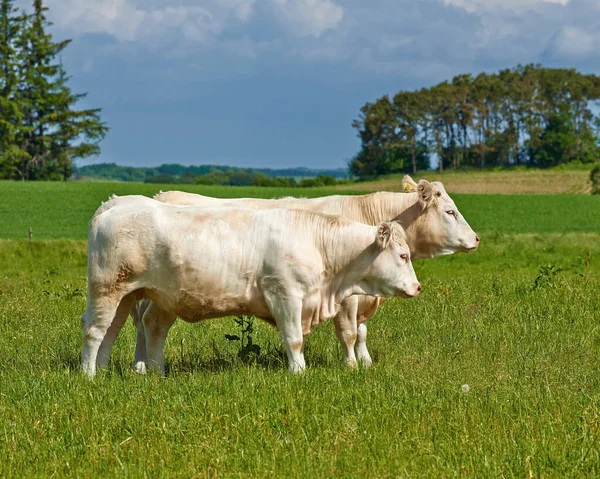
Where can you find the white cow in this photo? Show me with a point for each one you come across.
(290, 267)
(433, 224)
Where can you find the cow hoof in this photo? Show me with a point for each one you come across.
(366, 362)
(351, 363)
(140, 367)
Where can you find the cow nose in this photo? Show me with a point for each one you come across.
(477, 239)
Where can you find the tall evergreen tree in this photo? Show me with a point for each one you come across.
(59, 132)
(10, 114)
(41, 129)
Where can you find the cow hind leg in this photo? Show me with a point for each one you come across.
(360, 348)
(156, 326)
(96, 321)
(117, 323)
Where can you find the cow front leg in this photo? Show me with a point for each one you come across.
(156, 326)
(293, 343)
(288, 318)
(362, 353)
(345, 329)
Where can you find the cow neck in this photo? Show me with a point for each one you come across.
(346, 261)
(408, 210)
(423, 238)
(375, 208)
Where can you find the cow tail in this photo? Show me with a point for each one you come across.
(135, 313)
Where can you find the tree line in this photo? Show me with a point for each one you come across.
(175, 173)
(244, 178)
(528, 115)
(41, 130)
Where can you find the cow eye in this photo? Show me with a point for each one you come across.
(451, 212)
(404, 257)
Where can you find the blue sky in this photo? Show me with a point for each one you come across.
(277, 83)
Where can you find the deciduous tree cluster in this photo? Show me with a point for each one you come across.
(528, 115)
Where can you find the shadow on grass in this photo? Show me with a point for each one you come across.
(270, 358)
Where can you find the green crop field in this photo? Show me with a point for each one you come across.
(62, 210)
(517, 321)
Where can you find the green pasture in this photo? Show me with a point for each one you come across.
(518, 321)
(62, 210)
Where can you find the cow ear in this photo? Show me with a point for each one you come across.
(384, 233)
(425, 190)
(408, 184)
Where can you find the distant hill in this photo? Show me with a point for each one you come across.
(114, 172)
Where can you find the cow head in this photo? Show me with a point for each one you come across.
(441, 229)
(390, 271)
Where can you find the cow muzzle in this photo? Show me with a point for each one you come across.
(411, 292)
(471, 245)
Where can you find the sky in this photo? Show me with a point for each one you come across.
(277, 83)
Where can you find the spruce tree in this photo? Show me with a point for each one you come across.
(10, 113)
(54, 132)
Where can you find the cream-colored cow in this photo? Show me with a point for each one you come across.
(433, 224)
(290, 267)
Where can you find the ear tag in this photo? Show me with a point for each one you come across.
(408, 187)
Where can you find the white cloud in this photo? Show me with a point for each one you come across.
(126, 20)
(493, 30)
(114, 17)
(434, 36)
(573, 42)
(472, 6)
(244, 11)
(308, 17)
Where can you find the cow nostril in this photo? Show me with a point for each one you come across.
(419, 288)
(477, 238)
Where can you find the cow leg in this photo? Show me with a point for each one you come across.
(140, 359)
(95, 322)
(113, 331)
(362, 353)
(156, 325)
(345, 329)
(293, 343)
(288, 318)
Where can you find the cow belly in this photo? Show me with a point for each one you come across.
(193, 307)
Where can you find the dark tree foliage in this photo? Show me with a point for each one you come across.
(41, 131)
(595, 178)
(240, 178)
(211, 175)
(528, 115)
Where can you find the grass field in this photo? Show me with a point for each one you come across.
(506, 182)
(518, 321)
(62, 210)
